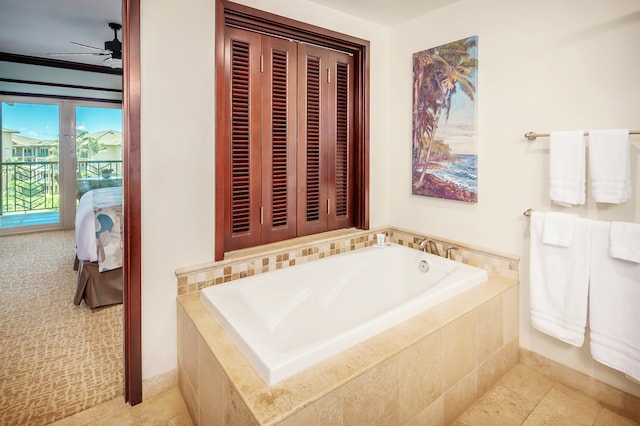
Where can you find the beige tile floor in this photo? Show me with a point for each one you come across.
(525, 397)
(521, 397)
(166, 408)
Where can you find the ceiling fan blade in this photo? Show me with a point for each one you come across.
(103, 51)
(77, 54)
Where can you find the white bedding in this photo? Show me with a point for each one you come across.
(86, 248)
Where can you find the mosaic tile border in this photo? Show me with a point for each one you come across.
(194, 279)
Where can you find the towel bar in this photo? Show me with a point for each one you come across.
(532, 136)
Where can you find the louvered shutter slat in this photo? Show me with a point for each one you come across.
(313, 139)
(240, 138)
(342, 140)
(279, 132)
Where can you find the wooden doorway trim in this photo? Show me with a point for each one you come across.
(131, 194)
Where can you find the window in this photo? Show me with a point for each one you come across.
(292, 129)
(46, 190)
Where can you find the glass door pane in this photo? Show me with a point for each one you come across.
(29, 165)
(98, 148)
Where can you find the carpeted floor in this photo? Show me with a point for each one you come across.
(56, 359)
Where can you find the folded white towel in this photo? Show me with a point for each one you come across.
(624, 239)
(567, 167)
(610, 165)
(614, 314)
(559, 282)
(558, 229)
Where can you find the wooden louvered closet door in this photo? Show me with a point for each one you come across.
(289, 126)
(325, 140)
(243, 171)
(260, 178)
(341, 148)
(279, 97)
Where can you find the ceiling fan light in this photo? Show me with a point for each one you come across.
(113, 63)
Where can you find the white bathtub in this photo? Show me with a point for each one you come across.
(287, 320)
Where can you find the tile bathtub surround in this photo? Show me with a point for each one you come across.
(430, 368)
(285, 254)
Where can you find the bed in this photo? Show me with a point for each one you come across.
(99, 248)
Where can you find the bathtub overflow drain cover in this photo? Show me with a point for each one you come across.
(423, 265)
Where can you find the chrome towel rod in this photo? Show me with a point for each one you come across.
(532, 136)
(527, 212)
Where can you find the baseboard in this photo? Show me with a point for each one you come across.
(157, 384)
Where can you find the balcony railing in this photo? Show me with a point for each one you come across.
(96, 168)
(34, 186)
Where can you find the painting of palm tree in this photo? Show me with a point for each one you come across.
(444, 162)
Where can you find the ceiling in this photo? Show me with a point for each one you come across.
(38, 27)
(385, 12)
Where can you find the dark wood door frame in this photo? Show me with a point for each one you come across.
(131, 194)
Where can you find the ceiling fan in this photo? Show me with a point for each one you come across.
(112, 49)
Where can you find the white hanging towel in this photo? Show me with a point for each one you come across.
(614, 310)
(610, 165)
(567, 167)
(625, 241)
(558, 229)
(559, 280)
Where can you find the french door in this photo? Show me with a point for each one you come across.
(97, 147)
(51, 152)
(30, 164)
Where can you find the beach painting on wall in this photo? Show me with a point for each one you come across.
(444, 157)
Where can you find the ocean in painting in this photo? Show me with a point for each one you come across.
(463, 172)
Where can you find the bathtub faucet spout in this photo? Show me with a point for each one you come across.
(429, 246)
(434, 248)
(449, 250)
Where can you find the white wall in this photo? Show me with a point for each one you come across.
(177, 86)
(177, 127)
(543, 65)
